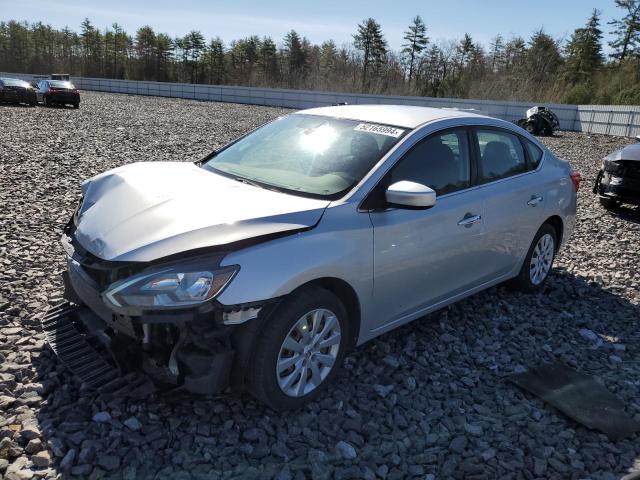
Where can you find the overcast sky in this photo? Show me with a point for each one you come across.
(318, 21)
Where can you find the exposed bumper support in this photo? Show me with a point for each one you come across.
(68, 330)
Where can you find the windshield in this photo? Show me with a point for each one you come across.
(60, 84)
(11, 82)
(307, 154)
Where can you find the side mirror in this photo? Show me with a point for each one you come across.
(410, 195)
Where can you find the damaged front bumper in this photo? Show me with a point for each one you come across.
(619, 181)
(203, 349)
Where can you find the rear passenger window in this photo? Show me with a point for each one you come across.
(501, 155)
(535, 154)
(440, 162)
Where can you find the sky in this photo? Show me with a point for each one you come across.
(319, 21)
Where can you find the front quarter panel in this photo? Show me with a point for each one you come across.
(341, 247)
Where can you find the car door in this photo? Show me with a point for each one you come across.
(424, 257)
(514, 198)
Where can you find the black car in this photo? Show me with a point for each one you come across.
(618, 180)
(13, 90)
(58, 92)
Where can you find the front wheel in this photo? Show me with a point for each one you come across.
(538, 262)
(300, 349)
(531, 127)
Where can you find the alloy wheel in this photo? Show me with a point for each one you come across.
(541, 259)
(308, 353)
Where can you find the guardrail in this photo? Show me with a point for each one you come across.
(606, 119)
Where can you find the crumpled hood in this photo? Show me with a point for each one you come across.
(630, 152)
(149, 210)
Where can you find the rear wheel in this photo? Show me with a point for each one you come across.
(300, 350)
(531, 128)
(76, 105)
(539, 260)
(609, 203)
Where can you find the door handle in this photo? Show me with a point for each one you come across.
(469, 220)
(535, 200)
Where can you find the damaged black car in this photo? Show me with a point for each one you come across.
(618, 180)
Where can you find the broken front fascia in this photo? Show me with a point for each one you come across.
(619, 178)
(197, 345)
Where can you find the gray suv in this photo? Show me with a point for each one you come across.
(263, 264)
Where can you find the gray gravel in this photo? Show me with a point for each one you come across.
(427, 401)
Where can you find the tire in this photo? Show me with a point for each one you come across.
(76, 106)
(531, 128)
(527, 281)
(609, 203)
(46, 102)
(279, 389)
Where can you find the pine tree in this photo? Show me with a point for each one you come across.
(626, 30)
(515, 52)
(268, 60)
(497, 49)
(328, 58)
(162, 52)
(417, 40)
(465, 49)
(214, 62)
(370, 41)
(144, 48)
(294, 58)
(542, 59)
(584, 50)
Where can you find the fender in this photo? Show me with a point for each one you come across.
(338, 247)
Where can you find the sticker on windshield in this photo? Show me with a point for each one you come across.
(379, 129)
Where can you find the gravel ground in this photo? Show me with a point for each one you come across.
(427, 401)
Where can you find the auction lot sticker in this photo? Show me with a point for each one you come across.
(379, 129)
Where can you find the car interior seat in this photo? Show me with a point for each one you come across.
(496, 159)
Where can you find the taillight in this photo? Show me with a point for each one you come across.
(575, 178)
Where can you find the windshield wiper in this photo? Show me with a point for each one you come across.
(253, 183)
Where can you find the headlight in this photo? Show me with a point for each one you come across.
(171, 287)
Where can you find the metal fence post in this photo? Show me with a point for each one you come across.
(608, 130)
(590, 129)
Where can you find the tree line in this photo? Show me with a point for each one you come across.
(539, 68)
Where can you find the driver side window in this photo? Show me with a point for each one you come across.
(440, 161)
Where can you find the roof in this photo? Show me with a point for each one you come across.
(407, 116)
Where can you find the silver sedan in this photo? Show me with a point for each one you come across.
(315, 233)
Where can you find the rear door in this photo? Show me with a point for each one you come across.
(423, 257)
(513, 193)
